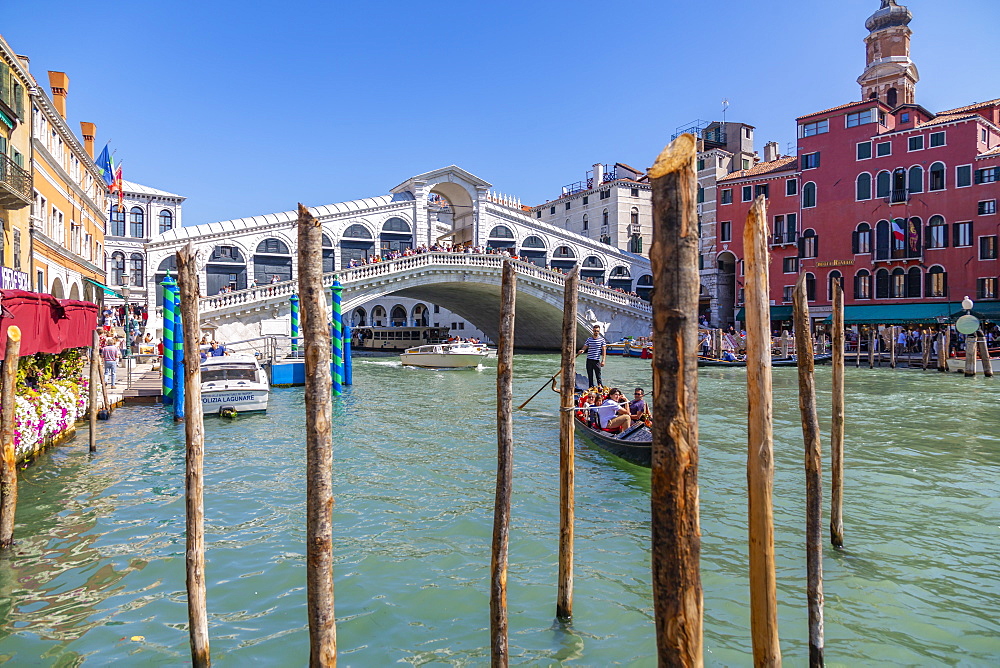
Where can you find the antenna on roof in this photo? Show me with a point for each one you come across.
(725, 105)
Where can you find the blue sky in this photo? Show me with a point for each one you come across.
(249, 107)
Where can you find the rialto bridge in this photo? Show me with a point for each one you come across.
(248, 266)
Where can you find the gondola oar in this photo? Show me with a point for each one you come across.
(540, 389)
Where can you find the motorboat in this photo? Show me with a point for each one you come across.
(233, 382)
(444, 356)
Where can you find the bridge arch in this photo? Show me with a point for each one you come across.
(644, 286)
(74, 291)
(379, 316)
(227, 266)
(397, 316)
(420, 315)
(533, 250)
(592, 269)
(501, 237)
(620, 277)
(359, 318)
(563, 258)
(462, 201)
(396, 235)
(357, 242)
(57, 288)
(273, 257)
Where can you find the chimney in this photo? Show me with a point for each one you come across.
(59, 83)
(88, 130)
(770, 151)
(25, 62)
(598, 174)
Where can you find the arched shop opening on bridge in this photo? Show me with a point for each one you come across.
(644, 286)
(168, 264)
(356, 244)
(226, 269)
(501, 238)
(420, 315)
(533, 250)
(563, 259)
(621, 278)
(592, 270)
(359, 317)
(273, 258)
(379, 316)
(329, 255)
(396, 236)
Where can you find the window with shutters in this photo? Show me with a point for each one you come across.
(963, 176)
(986, 288)
(915, 143)
(937, 139)
(786, 293)
(882, 284)
(883, 239)
(988, 175)
(963, 234)
(790, 265)
(987, 207)
(810, 287)
(864, 150)
(937, 232)
(936, 177)
(915, 179)
(883, 149)
(810, 160)
(863, 239)
(863, 187)
(883, 184)
(726, 231)
(809, 195)
(913, 279)
(808, 244)
(863, 285)
(747, 193)
(16, 249)
(937, 282)
(897, 283)
(832, 278)
(761, 189)
(791, 187)
(726, 197)
(988, 247)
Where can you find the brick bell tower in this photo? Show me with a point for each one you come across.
(889, 75)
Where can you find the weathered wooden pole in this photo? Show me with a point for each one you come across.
(760, 440)
(194, 479)
(892, 347)
(319, 444)
(96, 371)
(970, 356)
(499, 655)
(857, 353)
(837, 421)
(947, 349)
(678, 602)
(567, 465)
(8, 461)
(925, 348)
(942, 352)
(871, 347)
(984, 355)
(814, 474)
(784, 343)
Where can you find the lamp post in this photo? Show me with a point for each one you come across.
(127, 321)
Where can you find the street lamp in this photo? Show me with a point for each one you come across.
(968, 323)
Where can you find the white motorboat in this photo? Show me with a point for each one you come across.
(444, 356)
(233, 382)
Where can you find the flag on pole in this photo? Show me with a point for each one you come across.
(897, 233)
(105, 163)
(913, 235)
(117, 187)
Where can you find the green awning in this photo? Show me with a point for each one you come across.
(897, 314)
(778, 313)
(982, 310)
(107, 290)
(7, 120)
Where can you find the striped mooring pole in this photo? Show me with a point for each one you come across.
(348, 366)
(337, 337)
(169, 323)
(294, 299)
(178, 361)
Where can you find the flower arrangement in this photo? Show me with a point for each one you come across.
(51, 397)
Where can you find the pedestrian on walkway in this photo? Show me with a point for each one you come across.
(596, 347)
(110, 354)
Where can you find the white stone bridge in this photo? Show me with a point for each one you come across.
(467, 284)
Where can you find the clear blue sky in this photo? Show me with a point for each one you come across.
(248, 107)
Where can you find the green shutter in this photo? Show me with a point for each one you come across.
(19, 101)
(4, 76)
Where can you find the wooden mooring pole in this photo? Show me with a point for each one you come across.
(319, 443)
(837, 421)
(8, 457)
(925, 348)
(984, 355)
(970, 356)
(96, 371)
(942, 352)
(194, 478)
(678, 602)
(892, 346)
(814, 473)
(871, 346)
(760, 441)
(505, 470)
(567, 467)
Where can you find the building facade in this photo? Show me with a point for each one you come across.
(69, 195)
(144, 213)
(15, 170)
(895, 202)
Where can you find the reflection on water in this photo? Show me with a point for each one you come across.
(100, 557)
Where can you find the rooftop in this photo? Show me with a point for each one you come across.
(788, 163)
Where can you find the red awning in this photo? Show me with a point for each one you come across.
(48, 325)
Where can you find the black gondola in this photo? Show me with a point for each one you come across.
(790, 361)
(634, 445)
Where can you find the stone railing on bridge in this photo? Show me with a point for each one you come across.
(348, 277)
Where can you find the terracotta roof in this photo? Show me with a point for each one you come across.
(785, 164)
(843, 106)
(970, 107)
(946, 118)
(992, 151)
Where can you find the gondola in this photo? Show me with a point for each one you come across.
(634, 445)
(789, 361)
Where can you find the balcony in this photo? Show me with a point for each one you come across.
(15, 185)
(784, 238)
(897, 196)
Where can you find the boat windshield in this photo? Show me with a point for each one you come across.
(216, 375)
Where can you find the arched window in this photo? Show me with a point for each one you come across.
(883, 184)
(863, 188)
(883, 240)
(273, 246)
(831, 278)
(593, 262)
(586, 222)
(809, 195)
(882, 284)
(936, 282)
(898, 185)
(117, 222)
(138, 277)
(532, 242)
(891, 97)
(396, 225)
(136, 218)
(357, 231)
(378, 316)
(501, 232)
(634, 219)
(936, 177)
(937, 232)
(563, 252)
(118, 269)
(397, 316)
(862, 241)
(166, 221)
(604, 218)
(808, 244)
(620, 272)
(810, 287)
(915, 182)
(913, 282)
(863, 285)
(897, 285)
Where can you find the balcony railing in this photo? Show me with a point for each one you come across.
(15, 184)
(783, 238)
(897, 196)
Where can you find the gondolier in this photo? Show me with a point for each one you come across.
(596, 347)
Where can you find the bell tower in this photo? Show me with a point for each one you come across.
(890, 75)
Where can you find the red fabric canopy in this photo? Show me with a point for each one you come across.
(48, 325)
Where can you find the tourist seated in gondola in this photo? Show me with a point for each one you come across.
(728, 356)
(613, 413)
(637, 407)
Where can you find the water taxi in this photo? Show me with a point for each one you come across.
(445, 356)
(233, 382)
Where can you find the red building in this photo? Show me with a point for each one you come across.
(896, 202)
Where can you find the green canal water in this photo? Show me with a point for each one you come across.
(100, 557)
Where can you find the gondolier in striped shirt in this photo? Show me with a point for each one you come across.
(596, 347)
